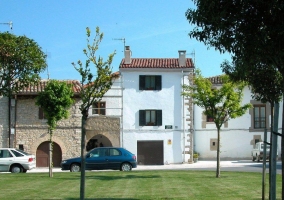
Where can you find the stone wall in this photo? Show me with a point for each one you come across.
(32, 131)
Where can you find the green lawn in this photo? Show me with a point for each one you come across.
(156, 184)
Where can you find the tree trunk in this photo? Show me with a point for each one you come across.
(270, 140)
(282, 150)
(83, 158)
(50, 154)
(218, 154)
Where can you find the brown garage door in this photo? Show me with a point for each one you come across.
(42, 155)
(150, 152)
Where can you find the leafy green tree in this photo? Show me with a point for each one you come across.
(221, 104)
(93, 87)
(21, 61)
(252, 31)
(55, 101)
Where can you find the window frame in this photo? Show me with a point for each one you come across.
(99, 109)
(260, 120)
(143, 117)
(155, 82)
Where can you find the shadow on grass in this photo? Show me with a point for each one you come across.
(111, 198)
(108, 178)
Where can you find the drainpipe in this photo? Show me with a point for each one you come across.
(183, 119)
(9, 120)
(122, 88)
(15, 122)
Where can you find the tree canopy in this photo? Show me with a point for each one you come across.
(21, 61)
(94, 84)
(55, 101)
(221, 103)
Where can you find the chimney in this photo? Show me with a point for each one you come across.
(181, 59)
(127, 55)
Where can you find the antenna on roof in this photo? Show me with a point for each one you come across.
(47, 56)
(192, 54)
(10, 24)
(123, 42)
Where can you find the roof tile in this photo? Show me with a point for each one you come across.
(162, 63)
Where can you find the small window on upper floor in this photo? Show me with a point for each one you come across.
(41, 113)
(99, 108)
(150, 117)
(150, 82)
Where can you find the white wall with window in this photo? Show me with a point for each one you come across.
(153, 109)
(111, 103)
(239, 136)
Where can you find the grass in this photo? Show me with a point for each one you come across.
(156, 184)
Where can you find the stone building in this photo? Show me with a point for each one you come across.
(29, 131)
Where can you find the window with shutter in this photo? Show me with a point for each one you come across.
(150, 117)
(149, 82)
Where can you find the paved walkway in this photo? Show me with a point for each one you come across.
(199, 164)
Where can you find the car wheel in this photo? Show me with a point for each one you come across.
(75, 167)
(126, 167)
(16, 169)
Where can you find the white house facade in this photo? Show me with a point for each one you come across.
(156, 118)
(237, 136)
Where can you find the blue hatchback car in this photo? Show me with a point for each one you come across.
(102, 158)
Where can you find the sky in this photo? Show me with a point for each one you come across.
(152, 29)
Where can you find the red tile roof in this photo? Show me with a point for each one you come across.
(39, 87)
(161, 63)
(215, 79)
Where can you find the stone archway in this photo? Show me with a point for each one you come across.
(42, 153)
(102, 129)
(98, 141)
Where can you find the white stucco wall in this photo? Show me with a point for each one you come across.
(237, 139)
(168, 99)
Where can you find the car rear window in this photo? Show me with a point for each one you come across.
(17, 154)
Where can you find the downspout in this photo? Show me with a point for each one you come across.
(15, 123)
(183, 119)
(9, 120)
(122, 88)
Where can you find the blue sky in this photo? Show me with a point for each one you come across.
(152, 29)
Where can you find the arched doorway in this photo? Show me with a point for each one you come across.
(98, 141)
(42, 155)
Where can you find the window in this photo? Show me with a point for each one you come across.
(5, 154)
(150, 117)
(99, 108)
(259, 116)
(209, 118)
(41, 113)
(147, 82)
(114, 152)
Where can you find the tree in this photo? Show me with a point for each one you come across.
(21, 61)
(221, 104)
(55, 101)
(92, 88)
(251, 30)
(266, 83)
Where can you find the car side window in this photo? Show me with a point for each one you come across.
(114, 152)
(17, 154)
(5, 154)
